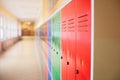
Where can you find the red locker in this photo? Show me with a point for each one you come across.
(68, 14)
(71, 54)
(83, 46)
(64, 49)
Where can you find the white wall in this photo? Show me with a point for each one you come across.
(107, 40)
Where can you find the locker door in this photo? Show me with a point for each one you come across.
(49, 50)
(64, 45)
(83, 16)
(42, 57)
(56, 53)
(71, 54)
(70, 48)
(46, 49)
(42, 32)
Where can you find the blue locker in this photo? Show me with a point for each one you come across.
(49, 50)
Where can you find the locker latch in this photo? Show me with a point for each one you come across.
(67, 63)
(77, 71)
(61, 57)
(56, 52)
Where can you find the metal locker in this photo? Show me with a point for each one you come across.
(56, 51)
(70, 11)
(46, 49)
(42, 56)
(63, 45)
(83, 45)
(68, 16)
(49, 50)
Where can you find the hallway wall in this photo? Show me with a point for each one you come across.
(107, 40)
(48, 12)
(10, 30)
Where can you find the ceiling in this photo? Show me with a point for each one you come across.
(25, 10)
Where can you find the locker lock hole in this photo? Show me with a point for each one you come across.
(61, 57)
(77, 71)
(56, 52)
(68, 63)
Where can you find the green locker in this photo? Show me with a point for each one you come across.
(56, 51)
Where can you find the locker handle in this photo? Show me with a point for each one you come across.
(77, 71)
(61, 57)
(56, 52)
(68, 63)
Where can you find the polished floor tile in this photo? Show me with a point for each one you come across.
(21, 62)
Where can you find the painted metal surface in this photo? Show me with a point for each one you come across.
(56, 52)
(64, 44)
(68, 15)
(83, 46)
(41, 36)
(49, 50)
(46, 50)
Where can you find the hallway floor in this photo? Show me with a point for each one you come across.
(20, 62)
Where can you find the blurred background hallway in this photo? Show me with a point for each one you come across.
(59, 39)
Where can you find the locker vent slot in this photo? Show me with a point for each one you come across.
(82, 23)
(71, 25)
(83, 16)
(63, 26)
